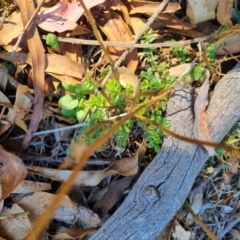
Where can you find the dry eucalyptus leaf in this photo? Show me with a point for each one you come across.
(117, 30)
(27, 186)
(17, 226)
(178, 70)
(113, 194)
(200, 123)
(124, 166)
(10, 31)
(56, 65)
(224, 12)
(12, 172)
(38, 202)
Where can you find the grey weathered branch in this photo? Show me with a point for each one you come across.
(163, 187)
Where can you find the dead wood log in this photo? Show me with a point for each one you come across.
(164, 186)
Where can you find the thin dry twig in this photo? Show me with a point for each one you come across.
(26, 27)
(131, 44)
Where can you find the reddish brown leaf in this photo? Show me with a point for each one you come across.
(117, 30)
(12, 172)
(113, 194)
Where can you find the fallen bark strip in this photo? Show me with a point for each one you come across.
(163, 187)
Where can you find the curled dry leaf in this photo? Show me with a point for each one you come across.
(124, 166)
(56, 65)
(63, 15)
(126, 76)
(12, 172)
(200, 122)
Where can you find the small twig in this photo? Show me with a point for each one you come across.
(45, 132)
(96, 32)
(130, 44)
(26, 27)
(3, 17)
(43, 158)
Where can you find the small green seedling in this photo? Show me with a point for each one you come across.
(52, 40)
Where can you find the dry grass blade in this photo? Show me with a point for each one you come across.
(200, 222)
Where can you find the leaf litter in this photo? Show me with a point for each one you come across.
(46, 74)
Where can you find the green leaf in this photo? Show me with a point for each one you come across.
(80, 114)
(69, 113)
(52, 40)
(68, 102)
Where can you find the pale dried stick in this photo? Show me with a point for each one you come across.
(96, 32)
(130, 44)
(3, 17)
(26, 27)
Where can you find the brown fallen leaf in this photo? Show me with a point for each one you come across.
(200, 123)
(124, 166)
(150, 7)
(10, 31)
(224, 12)
(38, 202)
(116, 30)
(12, 172)
(113, 194)
(56, 65)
